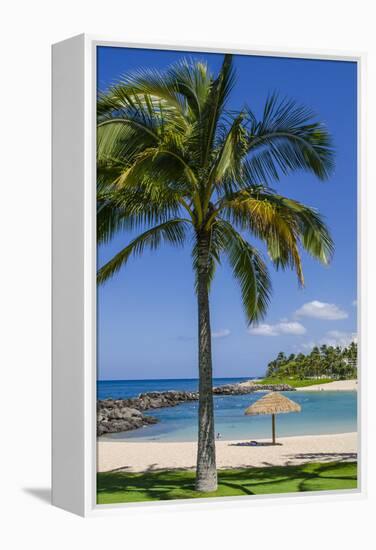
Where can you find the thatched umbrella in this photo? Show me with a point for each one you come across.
(273, 403)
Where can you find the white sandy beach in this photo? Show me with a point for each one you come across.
(338, 385)
(144, 456)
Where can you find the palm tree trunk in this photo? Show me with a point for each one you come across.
(206, 474)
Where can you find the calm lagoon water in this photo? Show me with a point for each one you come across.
(322, 412)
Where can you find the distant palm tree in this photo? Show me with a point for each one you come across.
(174, 161)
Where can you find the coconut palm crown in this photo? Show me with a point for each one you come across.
(176, 163)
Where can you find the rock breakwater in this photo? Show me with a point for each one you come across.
(122, 415)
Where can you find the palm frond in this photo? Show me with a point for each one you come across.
(144, 91)
(287, 138)
(159, 166)
(233, 147)
(215, 104)
(172, 231)
(184, 88)
(140, 206)
(119, 141)
(192, 79)
(249, 270)
(284, 225)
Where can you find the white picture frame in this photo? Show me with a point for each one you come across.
(74, 273)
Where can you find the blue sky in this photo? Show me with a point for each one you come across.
(147, 313)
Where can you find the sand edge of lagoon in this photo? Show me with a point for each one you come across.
(144, 456)
(337, 385)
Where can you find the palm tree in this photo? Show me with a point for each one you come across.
(175, 162)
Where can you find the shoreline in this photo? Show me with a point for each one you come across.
(337, 385)
(155, 455)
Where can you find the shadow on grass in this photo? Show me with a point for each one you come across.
(177, 484)
(326, 456)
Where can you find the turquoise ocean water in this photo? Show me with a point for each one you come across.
(322, 412)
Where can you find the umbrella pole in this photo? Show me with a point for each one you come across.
(273, 428)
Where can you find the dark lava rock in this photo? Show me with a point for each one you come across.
(114, 417)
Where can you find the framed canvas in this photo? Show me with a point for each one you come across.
(207, 275)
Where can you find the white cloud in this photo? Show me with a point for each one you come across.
(339, 338)
(221, 333)
(321, 310)
(333, 338)
(263, 329)
(291, 327)
(284, 327)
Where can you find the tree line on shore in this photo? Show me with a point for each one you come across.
(322, 362)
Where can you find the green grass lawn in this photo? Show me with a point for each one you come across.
(115, 487)
(294, 382)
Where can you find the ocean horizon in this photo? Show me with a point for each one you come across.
(122, 389)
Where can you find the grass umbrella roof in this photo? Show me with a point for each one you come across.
(273, 403)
